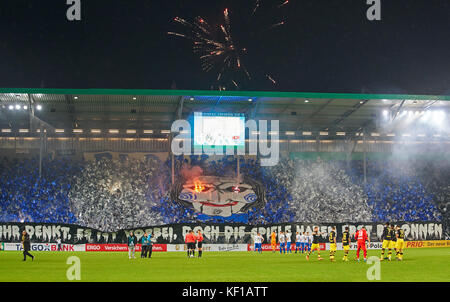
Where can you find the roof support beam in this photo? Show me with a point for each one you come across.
(31, 110)
(254, 108)
(398, 110)
(315, 113)
(349, 112)
(179, 110)
(70, 109)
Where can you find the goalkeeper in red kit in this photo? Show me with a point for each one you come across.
(361, 237)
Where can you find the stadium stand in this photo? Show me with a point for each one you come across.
(112, 194)
(115, 194)
(25, 197)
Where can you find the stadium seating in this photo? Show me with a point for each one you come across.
(108, 194)
(25, 197)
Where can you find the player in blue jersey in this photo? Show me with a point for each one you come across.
(304, 242)
(309, 240)
(288, 242)
(258, 242)
(282, 241)
(298, 240)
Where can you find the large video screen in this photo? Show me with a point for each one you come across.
(219, 129)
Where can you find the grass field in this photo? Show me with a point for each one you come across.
(431, 264)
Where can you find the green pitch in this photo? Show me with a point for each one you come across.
(418, 265)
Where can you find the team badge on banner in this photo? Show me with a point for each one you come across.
(219, 196)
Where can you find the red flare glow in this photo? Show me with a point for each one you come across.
(198, 187)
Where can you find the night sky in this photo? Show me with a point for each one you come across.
(324, 46)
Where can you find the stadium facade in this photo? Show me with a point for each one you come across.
(102, 160)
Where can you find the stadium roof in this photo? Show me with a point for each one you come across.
(157, 109)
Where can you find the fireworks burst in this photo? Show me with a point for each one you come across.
(220, 51)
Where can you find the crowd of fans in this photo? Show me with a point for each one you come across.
(435, 176)
(322, 191)
(396, 193)
(110, 194)
(25, 197)
(117, 194)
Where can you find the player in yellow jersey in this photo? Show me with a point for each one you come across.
(346, 243)
(315, 244)
(273, 241)
(332, 241)
(393, 242)
(400, 243)
(386, 238)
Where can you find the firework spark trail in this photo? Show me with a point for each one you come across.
(276, 24)
(206, 46)
(203, 25)
(271, 79)
(177, 34)
(256, 7)
(221, 53)
(283, 4)
(227, 18)
(247, 73)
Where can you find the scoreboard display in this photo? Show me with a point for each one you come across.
(219, 129)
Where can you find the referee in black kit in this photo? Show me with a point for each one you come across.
(26, 245)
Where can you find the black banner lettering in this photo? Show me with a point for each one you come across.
(213, 233)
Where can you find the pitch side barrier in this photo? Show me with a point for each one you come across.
(218, 237)
(217, 247)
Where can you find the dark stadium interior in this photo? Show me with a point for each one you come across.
(307, 112)
(225, 142)
(114, 172)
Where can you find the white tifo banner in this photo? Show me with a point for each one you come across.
(210, 247)
(353, 246)
(46, 247)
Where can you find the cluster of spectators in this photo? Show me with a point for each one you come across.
(436, 178)
(322, 191)
(110, 194)
(396, 192)
(24, 197)
(117, 194)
